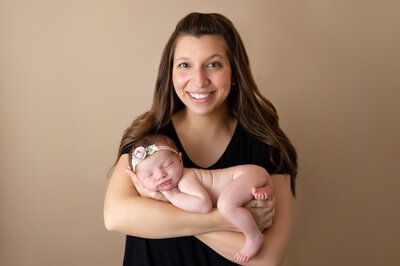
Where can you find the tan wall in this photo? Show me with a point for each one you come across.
(73, 74)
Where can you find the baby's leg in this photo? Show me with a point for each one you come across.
(230, 203)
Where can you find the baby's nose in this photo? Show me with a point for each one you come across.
(161, 174)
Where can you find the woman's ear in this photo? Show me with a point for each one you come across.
(233, 81)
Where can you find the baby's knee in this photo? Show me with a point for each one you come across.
(262, 175)
(224, 205)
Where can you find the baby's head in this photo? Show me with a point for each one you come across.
(156, 162)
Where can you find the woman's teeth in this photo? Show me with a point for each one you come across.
(199, 96)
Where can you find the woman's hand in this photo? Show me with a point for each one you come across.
(141, 190)
(263, 212)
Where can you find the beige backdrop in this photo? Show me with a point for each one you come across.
(75, 73)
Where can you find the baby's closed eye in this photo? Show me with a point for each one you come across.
(167, 164)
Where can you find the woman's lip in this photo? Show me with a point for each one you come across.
(198, 96)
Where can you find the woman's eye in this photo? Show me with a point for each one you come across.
(183, 65)
(214, 64)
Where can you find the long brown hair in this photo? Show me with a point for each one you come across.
(254, 112)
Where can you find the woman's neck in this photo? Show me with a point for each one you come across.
(199, 123)
(204, 138)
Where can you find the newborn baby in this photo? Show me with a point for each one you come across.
(158, 166)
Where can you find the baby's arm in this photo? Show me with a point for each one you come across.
(125, 211)
(190, 195)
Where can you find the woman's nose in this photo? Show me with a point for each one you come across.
(199, 78)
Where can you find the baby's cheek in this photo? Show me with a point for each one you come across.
(147, 185)
(152, 186)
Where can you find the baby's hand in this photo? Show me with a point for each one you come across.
(141, 190)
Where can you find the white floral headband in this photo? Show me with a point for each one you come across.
(140, 153)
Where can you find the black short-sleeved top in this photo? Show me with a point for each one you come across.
(189, 251)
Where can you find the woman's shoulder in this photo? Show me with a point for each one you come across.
(247, 141)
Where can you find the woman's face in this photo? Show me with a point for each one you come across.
(202, 73)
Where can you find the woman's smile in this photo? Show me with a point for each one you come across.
(202, 73)
(201, 97)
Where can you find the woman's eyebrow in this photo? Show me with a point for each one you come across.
(208, 58)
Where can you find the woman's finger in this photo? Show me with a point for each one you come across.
(138, 185)
(142, 190)
(259, 204)
(263, 212)
(135, 179)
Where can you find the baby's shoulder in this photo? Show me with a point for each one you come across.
(201, 174)
(194, 171)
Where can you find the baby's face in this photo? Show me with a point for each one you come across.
(161, 171)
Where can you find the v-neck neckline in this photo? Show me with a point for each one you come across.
(227, 150)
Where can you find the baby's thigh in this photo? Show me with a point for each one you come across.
(236, 193)
(254, 176)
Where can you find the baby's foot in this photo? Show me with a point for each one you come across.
(249, 249)
(241, 259)
(260, 193)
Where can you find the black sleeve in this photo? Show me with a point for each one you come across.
(263, 156)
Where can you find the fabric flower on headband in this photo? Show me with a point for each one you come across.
(140, 153)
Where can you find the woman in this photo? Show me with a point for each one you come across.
(207, 101)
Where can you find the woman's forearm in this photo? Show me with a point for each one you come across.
(149, 218)
(128, 213)
(227, 243)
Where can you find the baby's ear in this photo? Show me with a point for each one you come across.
(180, 156)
